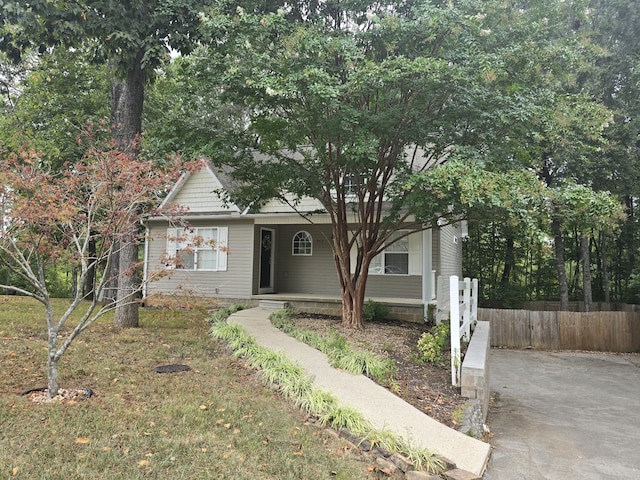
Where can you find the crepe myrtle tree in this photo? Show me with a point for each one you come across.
(352, 105)
(49, 218)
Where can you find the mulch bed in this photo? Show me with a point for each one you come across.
(65, 395)
(426, 386)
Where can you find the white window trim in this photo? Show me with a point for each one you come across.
(293, 244)
(220, 248)
(415, 257)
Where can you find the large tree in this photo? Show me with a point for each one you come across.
(352, 101)
(134, 37)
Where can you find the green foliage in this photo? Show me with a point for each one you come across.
(375, 311)
(508, 295)
(58, 97)
(221, 314)
(432, 344)
(344, 417)
(58, 280)
(421, 459)
(337, 349)
(122, 32)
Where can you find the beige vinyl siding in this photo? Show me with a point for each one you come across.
(198, 193)
(313, 274)
(397, 286)
(235, 282)
(316, 274)
(447, 250)
(306, 204)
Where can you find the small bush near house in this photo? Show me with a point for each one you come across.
(375, 312)
(431, 345)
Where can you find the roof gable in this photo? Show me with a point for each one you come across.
(198, 191)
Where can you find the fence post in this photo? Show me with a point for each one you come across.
(454, 312)
(474, 301)
(466, 317)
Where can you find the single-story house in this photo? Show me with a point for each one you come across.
(245, 256)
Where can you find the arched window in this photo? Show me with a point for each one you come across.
(302, 243)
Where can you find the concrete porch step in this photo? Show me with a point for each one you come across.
(273, 304)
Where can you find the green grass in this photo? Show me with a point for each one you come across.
(217, 421)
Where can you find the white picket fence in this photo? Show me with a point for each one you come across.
(463, 314)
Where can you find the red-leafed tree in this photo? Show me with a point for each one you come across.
(50, 217)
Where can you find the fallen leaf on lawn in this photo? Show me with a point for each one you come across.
(203, 407)
(82, 440)
(236, 430)
(144, 463)
(15, 471)
(299, 453)
(227, 426)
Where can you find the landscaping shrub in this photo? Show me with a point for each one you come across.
(374, 311)
(432, 344)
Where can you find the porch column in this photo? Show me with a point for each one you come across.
(427, 268)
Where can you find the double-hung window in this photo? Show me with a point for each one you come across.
(394, 260)
(201, 248)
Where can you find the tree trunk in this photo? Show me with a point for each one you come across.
(89, 282)
(509, 260)
(556, 227)
(353, 307)
(126, 112)
(586, 272)
(605, 270)
(52, 359)
(52, 376)
(74, 280)
(110, 289)
(127, 315)
(352, 285)
(126, 108)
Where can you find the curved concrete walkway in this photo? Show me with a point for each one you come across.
(382, 408)
(564, 416)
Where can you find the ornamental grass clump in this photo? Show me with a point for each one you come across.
(337, 349)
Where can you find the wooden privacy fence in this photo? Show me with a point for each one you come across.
(594, 331)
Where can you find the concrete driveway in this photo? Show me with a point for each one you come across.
(564, 416)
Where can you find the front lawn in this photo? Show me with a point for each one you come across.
(214, 421)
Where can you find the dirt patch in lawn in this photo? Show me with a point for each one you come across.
(426, 386)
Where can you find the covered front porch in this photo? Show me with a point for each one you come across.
(407, 309)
